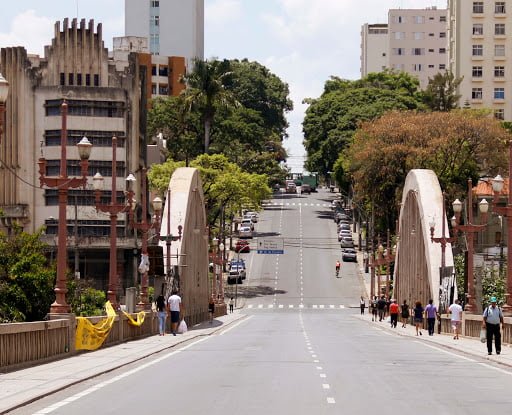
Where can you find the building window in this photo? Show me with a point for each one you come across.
(431, 34)
(499, 7)
(86, 108)
(442, 51)
(477, 71)
(417, 67)
(163, 70)
(499, 71)
(153, 89)
(87, 79)
(79, 79)
(398, 66)
(399, 51)
(153, 70)
(499, 29)
(499, 114)
(442, 66)
(157, 20)
(398, 19)
(399, 35)
(478, 29)
(97, 138)
(478, 7)
(431, 50)
(478, 50)
(71, 79)
(419, 35)
(155, 3)
(431, 66)
(442, 19)
(442, 34)
(476, 93)
(163, 89)
(419, 19)
(418, 51)
(499, 50)
(96, 80)
(62, 78)
(499, 93)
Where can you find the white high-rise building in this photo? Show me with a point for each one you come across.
(374, 48)
(172, 27)
(481, 52)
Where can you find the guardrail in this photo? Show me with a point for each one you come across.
(472, 324)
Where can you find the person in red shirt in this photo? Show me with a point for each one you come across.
(393, 312)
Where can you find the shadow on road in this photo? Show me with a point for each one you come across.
(252, 292)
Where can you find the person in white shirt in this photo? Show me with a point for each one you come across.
(456, 316)
(175, 306)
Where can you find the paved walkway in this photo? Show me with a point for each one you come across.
(24, 386)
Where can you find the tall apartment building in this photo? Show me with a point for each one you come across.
(173, 27)
(418, 41)
(374, 48)
(481, 52)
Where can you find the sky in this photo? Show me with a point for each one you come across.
(304, 42)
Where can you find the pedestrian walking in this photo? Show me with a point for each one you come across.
(381, 307)
(211, 308)
(373, 308)
(456, 318)
(418, 317)
(175, 307)
(493, 317)
(362, 305)
(431, 314)
(231, 304)
(393, 312)
(161, 313)
(404, 312)
(386, 310)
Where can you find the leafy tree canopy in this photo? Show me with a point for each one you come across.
(441, 93)
(332, 119)
(26, 281)
(455, 145)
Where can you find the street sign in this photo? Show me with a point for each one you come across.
(271, 246)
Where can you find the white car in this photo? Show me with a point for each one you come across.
(245, 232)
(252, 215)
(247, 222)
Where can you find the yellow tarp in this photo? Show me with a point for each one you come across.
(139, 321)
(91, 336)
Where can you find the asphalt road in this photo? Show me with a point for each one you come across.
(300, 350)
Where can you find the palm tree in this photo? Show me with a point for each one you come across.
(206, 91)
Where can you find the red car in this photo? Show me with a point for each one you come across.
(242, 246)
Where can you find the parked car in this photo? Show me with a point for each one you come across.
(251, 215)
(344, 234)
(306, 188)
(242, 246)
(344, 226)
(349, 254)
(247, 222)
(347, 242)
(245, 232)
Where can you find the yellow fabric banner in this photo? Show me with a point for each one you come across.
(91, 336)
(139, 321)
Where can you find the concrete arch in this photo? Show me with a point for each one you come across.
(184, 206)
(418, 262)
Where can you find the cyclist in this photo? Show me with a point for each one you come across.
(338, 265)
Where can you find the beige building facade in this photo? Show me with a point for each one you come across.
(374, 48)
(418, 42)
(481, 53)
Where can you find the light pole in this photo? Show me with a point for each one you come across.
(113, 209)
(62, 183)
(444, 240)
(506, 211)
(470, 229)
(4, 92)
(144, 226)
(221, 276)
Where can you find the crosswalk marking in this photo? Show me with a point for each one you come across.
(295, 204)
(301, 306)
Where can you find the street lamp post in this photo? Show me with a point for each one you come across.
(144, 226)
(470, 229)
(113, 209)
(4, 92)
(443, 240)
(62, 184)
(506, 211)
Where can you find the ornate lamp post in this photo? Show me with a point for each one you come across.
(506, 211)
(144, 226)
(113, 208)
(470, 229)
(4, 92)
(62, 184)
(222, 251)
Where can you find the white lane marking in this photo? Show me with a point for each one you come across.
(331, 400)
(290, 306)
(271, 306)
(323, 375)
(487, 365)
(319, 367)
(260, 305)
(326, 386)
(315, 306)
(331, 306)
(249, 306)
(316, 361)
(314, 355)
(446, 351)
(281, 305)
(101, 385)
(234, 325)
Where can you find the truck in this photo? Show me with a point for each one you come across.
(311, 180)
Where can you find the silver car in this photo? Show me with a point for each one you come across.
(347, 242)
(349, 254)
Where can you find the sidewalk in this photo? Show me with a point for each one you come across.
(468, 345)
(24, 386)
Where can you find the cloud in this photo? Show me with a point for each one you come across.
(220, 12)
(27, 29)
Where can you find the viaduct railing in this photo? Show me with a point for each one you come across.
(472, 324)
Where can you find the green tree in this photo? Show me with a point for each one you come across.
(441, 93)
(332, 119)
(206, 92)
(26, 280)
